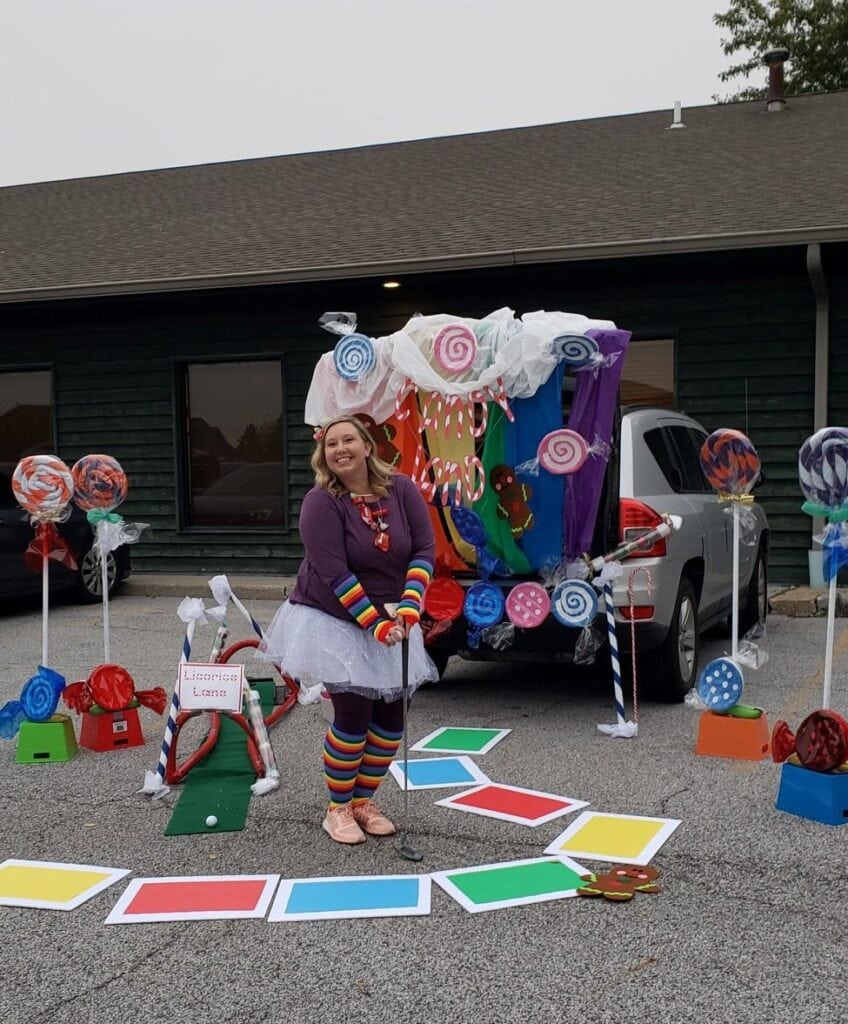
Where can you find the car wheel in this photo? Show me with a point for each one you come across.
(669, 671)
(89, 584)
(755, 608)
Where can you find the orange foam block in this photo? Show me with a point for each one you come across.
(746, 739)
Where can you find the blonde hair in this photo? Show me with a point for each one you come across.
(379, 472)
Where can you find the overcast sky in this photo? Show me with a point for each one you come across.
(102, 86)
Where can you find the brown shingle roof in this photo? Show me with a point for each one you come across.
(735, 175)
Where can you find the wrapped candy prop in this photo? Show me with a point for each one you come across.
(575, 349)
(470, 527)
(527, 606)
(484, 607)
(821, 743)
(100, 486)
(562, 452)
(443, 602)
(43, 487)
(455, 349)
(111, 688)
(38, 702)
(823, 476)
(354, 355)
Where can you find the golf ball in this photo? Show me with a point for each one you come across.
(211, 821)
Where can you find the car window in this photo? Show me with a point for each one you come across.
(687, 443)
(665, 456)
(7, 498)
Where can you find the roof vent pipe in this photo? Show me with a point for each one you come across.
(774, 60)
(678, 117)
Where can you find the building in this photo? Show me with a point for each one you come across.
(170, 317)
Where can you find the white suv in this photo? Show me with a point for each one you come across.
(655, 468)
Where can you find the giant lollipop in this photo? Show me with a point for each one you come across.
(100, 485)
(823, 476)
(42, 485)
(731, 465)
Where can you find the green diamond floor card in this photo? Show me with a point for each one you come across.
(512, 883)
(461, 740)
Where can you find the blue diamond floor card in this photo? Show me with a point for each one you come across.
(323, 899)
(438, 772)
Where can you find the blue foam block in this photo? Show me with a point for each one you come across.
(819, 796)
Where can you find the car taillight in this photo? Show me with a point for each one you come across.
(635, 519)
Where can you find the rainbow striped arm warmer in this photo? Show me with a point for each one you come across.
(418, 575)
(352, 595)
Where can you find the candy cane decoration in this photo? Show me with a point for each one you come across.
(631, 594)
(191, 611)
(622, 727)
(409, 385)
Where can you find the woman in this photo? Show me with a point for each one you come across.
(369, 543)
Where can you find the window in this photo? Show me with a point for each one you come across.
(647, 377)
(26, 415)
(234, 445)
(677, 452)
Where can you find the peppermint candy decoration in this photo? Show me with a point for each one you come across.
(99, 482)
(575, 349)
(43, 485)
(574, 603)
(484, 605)
(823, 467)
(354, 356)
(730, 462)
(455, 348)
(40, 695)
(527, 605)
(562, 451)
(720, 684)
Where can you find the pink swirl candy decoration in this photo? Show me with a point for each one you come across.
(43, 486)
(562, 451)
(99, 482)
(527, 605)
(455, 348)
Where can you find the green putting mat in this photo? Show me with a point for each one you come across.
(220, 784)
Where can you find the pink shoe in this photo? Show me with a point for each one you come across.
(340, 824)
(372, 820)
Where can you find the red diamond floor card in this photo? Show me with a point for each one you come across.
(512, 803)
(194, 898)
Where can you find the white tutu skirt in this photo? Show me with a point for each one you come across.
(311, 645)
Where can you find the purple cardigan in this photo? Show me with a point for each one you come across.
(338, 543)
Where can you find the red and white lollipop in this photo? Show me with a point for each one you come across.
(562, 451)
(43, 486)
(455, 348)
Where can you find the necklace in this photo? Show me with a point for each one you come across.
(375, 519)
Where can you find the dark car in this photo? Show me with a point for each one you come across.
(16, 533)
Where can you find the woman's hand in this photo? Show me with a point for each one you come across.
(396, 634)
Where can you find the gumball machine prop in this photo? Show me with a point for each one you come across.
(727, 728)
(814, 776)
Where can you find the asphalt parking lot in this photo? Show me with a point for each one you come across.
(750, 924)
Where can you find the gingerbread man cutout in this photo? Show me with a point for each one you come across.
(621, 883)
(512, 500)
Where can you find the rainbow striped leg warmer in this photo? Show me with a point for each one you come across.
(353, 598)
(380, 748)
(418, 576)
(342, 760)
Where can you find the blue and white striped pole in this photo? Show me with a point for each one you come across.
(622, 727)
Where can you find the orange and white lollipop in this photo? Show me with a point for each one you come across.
(43, 486)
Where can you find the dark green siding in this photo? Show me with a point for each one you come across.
(740, 321)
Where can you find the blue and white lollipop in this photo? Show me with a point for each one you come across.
(720, 684)
(354, 356)
(574, 603)
(575, 349)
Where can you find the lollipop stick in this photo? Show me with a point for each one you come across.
(828, 648)
(734, 649)
(104, 576)
(45, 595)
